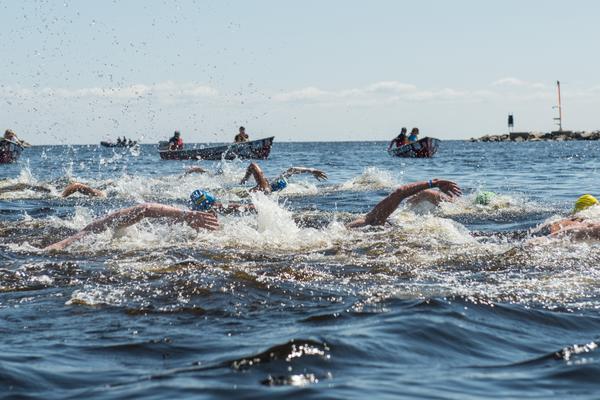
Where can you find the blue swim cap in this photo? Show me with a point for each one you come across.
(201, 200)
(279, 184)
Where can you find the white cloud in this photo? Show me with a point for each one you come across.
(391, 87)
(378, 93)
(308, 93)
(515, 82)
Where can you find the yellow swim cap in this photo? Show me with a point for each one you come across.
(585, 201)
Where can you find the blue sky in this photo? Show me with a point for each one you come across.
(82, 71)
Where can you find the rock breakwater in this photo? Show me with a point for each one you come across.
(540, 136)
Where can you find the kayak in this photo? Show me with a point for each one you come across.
(255, 149)
(111, 144)
(423, 148)
(9, 151)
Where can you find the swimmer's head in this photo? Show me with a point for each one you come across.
(585, 201)
(484, 198)
(201, 200)
(279, 184)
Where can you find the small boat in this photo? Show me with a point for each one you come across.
(423, 148)
(255, 149)
(9, 151)
(111, 144)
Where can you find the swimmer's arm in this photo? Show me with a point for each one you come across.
(66, 242)
(195, 219)
(557, 226)
(318, 174)
(590, 232)
(388, 205)
(130, 216)
(83, 189)
(195, 170)
(24, 186)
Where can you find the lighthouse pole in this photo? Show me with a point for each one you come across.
(559, 119)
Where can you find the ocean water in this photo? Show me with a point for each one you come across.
(451, 302)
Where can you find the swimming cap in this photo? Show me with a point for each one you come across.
(484, 198)
(201, 200)
(279, 184)
(585, 201)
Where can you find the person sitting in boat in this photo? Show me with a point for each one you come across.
(176, 142)
(129, 143)
(119, 142)
(242, 136)
(11, 136)
(280, 183)
(399, 140)
(413, 135)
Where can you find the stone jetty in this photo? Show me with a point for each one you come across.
(540, 136)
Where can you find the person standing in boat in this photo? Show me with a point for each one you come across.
(399, 140)
(176, 142)
(413, 135)
(242, 136)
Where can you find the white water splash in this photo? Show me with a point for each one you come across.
(509, 204)
(274, 228)
(370, 179)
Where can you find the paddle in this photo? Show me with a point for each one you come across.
(23, 143)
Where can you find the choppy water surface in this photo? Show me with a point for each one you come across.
(447, 303)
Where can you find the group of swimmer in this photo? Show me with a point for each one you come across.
(402, 139)
(204, 207)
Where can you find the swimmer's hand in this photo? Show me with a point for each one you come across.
(319, 175)
(448, 187)
(199, 220)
